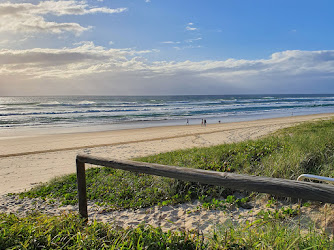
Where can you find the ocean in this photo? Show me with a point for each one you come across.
(21, 116)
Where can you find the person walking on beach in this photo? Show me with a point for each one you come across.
(187, 122)
(204, 122)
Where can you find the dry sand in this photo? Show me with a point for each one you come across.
(25, 162)
(189, 216)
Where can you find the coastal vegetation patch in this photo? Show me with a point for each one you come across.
(268, 230)
(68, 231)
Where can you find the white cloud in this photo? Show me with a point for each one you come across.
(190, 27)
(84, 59)
(187, 44)
(193, 40)
(170, 42)
(126, 71)
(13, 41)
(31, 18)
(4, 43)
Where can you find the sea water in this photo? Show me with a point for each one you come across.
(61, 114)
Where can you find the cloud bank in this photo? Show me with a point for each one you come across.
(31, 18)
(101, 70)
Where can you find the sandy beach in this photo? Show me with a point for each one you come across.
(25, 162)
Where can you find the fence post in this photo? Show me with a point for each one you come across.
(82, 195)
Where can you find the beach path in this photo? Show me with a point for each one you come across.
(27, 161)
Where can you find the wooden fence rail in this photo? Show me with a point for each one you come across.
(275, 186)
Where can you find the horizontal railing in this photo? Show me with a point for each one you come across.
(315, 178)
(275, 186)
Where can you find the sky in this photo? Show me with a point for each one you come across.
(160, 47)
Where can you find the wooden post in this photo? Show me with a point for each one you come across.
(82, 194)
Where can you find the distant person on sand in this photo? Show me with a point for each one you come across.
(187, 122)
(204, 123)
(219, 121)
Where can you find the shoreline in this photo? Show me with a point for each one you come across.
(173, 131)
(25, 162)
(23, 132)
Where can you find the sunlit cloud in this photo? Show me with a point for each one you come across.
(31, 18)
(86, 60)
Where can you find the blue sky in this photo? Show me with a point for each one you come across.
(166, 47)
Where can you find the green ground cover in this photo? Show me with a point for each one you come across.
(69, 232)
(268, 231)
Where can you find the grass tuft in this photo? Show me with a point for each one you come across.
(266, 231)
(70, 232)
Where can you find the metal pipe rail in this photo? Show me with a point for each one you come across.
(275, 186)
(315, 177)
